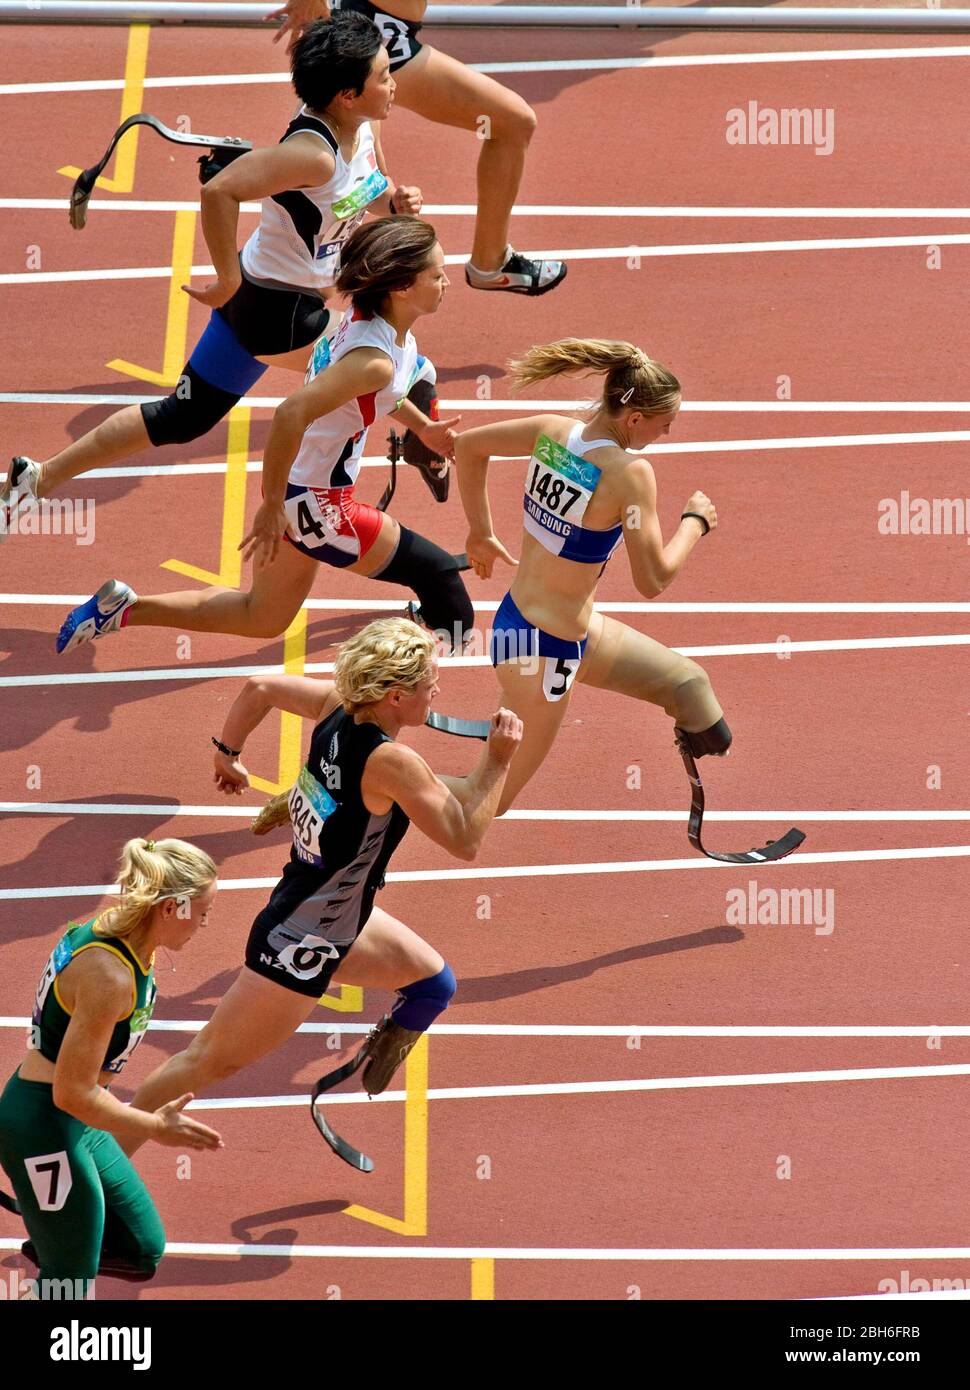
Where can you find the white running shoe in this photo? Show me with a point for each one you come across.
(519, 275)
(99, 615)
(20, 487)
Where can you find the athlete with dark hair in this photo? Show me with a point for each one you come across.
(268, 304)
(448, 92)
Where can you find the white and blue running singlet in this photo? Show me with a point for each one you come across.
(301, 231)
(559, 487)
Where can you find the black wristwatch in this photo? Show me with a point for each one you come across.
(224, 748)
(702, 519)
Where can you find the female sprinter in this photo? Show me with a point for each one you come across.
(83, 1204)
(584, 494)
(445, 91)
(394, 271)
(349, 810)
(267, 304)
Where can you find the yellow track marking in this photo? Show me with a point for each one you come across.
(233, 518)
(483, 1279)
(415, 1222)
(136, 63)
(177, 318)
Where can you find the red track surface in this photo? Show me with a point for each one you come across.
(874, 1163)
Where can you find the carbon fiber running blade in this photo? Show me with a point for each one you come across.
(461, 728)
(85, 181)
(341, 1148)
(774, 849)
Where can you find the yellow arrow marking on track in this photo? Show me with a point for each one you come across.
(136, 63)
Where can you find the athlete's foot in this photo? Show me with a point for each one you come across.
(519, 275)
(20, 487)
(103, 613)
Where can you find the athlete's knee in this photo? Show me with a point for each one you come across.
(192, 409)
(515, 120)
(419, 1004)
(151, 1248)
(209, 1060)
(689, 684)
(261, 621)
(262, 625)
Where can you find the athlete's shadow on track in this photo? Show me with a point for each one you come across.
(540, 87)
(487, 989)
(88, 708)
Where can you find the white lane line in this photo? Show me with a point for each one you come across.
(587, 1088)
(315, 668)
(519, 405)
(692, 1254)
(574, 253)
(582, 1030)
(531, 209)
(623, 866)
(491, 605)
(233, 811)
(712, 446)
(252, 79)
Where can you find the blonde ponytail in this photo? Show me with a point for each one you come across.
(150, 871)
(634, 381)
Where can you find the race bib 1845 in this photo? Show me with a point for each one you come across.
(310, 804)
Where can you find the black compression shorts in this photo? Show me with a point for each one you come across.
(268, 320)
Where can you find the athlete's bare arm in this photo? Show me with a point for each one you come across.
(300, 162)
(395, 773)
(653, 563)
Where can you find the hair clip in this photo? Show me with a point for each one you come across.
(150, 845)
(627, 397)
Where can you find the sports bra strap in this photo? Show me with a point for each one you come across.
(578, 446)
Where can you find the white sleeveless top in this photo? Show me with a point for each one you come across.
(332, 446)
(300, 233)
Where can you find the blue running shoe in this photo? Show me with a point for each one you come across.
(101, 614)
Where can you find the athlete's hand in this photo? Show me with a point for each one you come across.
(230, 776)
(296, 16)
(263, 541)
(215, 295)
(407, 200)
(504, 736)
(440, 436)
(176, 1130)
(483, 551)
(700, 502)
